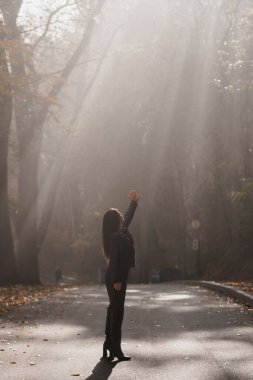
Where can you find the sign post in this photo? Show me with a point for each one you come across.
(195, 234)
(195, 244)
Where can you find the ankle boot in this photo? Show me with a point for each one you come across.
(118, 354)
(106, 346)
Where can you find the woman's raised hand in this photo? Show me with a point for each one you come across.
(133, 196)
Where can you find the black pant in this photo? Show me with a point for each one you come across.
(115, 312)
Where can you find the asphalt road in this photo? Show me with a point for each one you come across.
(172, 332)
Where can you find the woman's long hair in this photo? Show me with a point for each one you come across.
(111, 223)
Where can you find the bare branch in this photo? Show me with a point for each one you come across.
(78, 52)
(41, 116)
(49, 22)
(83, 62)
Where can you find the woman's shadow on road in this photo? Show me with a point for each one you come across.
(102, 370)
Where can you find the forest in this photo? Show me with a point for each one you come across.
(100, 97)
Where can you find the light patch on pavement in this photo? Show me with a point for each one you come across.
(174, 297)
(133, 291)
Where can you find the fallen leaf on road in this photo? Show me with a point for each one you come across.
(18, 295)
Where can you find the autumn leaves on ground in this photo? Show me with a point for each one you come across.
(15, 296)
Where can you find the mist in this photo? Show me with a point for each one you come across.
(102, 97)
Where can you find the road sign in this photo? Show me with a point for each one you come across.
(195, 244)
(195, 224)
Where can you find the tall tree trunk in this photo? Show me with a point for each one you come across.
(8, 272)
(28, 150)
(27, 246)
(30, 118)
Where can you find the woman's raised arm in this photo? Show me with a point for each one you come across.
(134, 198)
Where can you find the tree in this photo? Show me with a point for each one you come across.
(8, 272)
(30, 114)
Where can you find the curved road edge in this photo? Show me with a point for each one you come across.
(237, 294)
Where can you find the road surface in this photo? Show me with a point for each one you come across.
(172, 332)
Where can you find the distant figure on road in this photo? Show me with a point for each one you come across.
(155, 276)
(58, 275)
(118, 247)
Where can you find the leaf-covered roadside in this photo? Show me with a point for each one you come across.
(18, 295)
(245, 286)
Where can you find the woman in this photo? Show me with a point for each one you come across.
(118, 246)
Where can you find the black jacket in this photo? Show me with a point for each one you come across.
(122, 252)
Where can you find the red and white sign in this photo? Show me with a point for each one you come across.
(195, 224)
